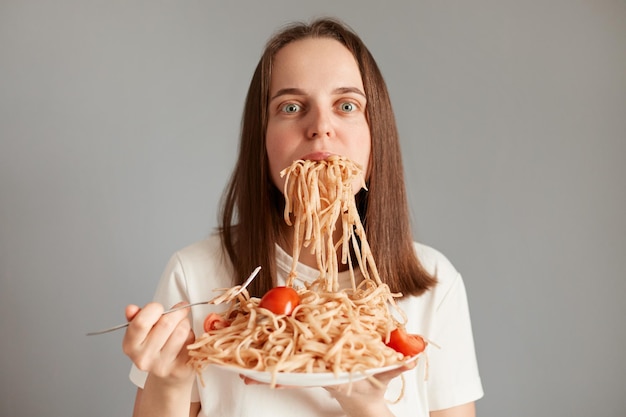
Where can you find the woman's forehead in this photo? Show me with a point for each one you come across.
(314, 62)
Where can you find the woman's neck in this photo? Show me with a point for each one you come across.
(306, 257)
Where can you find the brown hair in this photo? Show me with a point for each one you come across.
(252, 206)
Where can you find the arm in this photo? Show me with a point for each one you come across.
(156, 344)
(194, 408)
(465, 410)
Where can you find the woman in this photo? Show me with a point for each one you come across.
(316, 92)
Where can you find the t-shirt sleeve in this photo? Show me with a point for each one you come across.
(172, 289)
(454, 379)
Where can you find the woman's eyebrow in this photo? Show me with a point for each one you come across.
(345, 90)
(300, 92)
(288, 91)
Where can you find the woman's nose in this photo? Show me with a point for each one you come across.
(319, 124)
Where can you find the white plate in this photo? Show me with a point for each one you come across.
(298, 379)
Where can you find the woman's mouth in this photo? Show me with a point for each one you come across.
(317, 156)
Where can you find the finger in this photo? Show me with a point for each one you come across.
(148, 334)
(249, 381)
(387, 376)
(161, 330)
(144, 320)
(131, 311)
(184, 353)
(179, 304)
(183, 356)
(175, 347)
(139, 327)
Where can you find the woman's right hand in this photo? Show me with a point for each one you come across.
(157, 343)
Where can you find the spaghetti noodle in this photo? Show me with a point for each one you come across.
(332, 329)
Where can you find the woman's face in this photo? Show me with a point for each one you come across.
(316, 106)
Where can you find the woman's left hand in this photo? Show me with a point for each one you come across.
(364, 398)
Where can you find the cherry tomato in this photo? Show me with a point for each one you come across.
(280, 300)
(215, 322)
(407, 344)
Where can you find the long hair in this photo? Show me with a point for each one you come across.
(251, 214)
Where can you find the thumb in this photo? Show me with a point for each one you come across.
(387, 376)
(131, 311)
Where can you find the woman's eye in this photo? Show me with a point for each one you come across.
(347, 107)
(291, 108)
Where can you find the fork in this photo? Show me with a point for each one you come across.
(171, 310)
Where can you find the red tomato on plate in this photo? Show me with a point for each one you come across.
(407, 344)
(280, 300)
(215, 322)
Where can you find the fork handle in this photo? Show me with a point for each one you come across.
(171, 310)
(121, 326)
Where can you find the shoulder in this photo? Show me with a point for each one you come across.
(438, 265)
(202, 251)
(203, 261)
(433, 261)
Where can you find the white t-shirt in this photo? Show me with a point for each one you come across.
(448, 377)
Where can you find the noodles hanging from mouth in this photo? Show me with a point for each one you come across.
(332, 329)
(320, 194)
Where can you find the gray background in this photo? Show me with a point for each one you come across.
(118, 130)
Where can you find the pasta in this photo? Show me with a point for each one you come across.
(332, 329)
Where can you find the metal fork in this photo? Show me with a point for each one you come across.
(171, 310)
